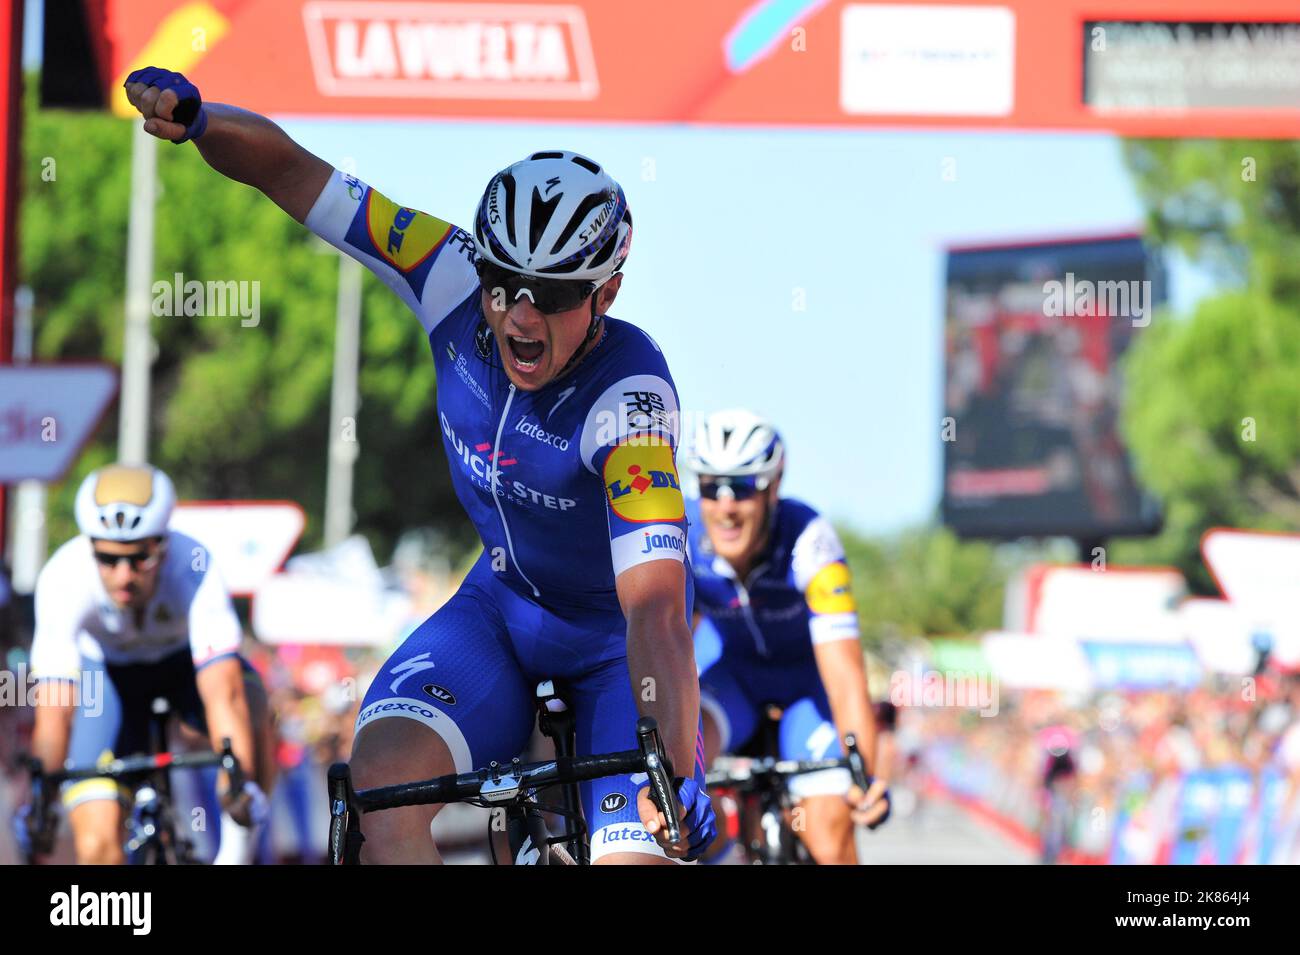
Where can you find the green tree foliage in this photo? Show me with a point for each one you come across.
(1213, 401)
(924, 582)
(237, 412)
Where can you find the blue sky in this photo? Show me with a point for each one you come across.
(736, 228)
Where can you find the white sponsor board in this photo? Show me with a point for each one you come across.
(1259, 573)
(335, 596)
(248, 540)
(47, 413)
(923, 60)
(1124, 604)
(1220, 633)
(305, 608)
(1028, 661)
(451, 50)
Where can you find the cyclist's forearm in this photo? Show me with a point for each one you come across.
(225, 707)
(51, 732)
(661, 660)
(845, 678)
(253, 150)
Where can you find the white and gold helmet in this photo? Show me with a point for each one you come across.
(123, 502)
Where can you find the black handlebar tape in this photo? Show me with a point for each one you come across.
(660, 770)
(857, 766)
(231, 765)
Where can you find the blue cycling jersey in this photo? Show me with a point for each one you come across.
(568, 485)
(798, 594)
(754, 644)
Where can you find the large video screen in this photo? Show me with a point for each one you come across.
(1033, 337)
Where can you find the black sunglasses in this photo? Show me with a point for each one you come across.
(138, 560)
(550, 296)
(737, 488)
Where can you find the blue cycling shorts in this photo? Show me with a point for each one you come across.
(734, 691)
(470, 674)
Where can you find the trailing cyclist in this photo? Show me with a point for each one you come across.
(127, 612)
(777, 626)
(560, 426)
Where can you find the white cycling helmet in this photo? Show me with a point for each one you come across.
(123, 502)
(736, 443)
(554, 215)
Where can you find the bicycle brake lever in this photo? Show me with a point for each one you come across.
(857, 765)
(660, 771)
(231, 765)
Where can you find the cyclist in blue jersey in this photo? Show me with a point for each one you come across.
(777, 625)
(560, 425)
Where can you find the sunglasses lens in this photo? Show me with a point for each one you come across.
(737, 488)
(549, 296)
(136, 561)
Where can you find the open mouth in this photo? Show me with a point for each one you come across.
(526, 352)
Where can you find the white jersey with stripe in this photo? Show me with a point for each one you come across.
(76, 619)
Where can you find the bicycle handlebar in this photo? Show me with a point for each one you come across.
(498, 785)
(45, 785)
(733, 770)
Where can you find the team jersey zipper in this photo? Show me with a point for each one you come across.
(742, 594)
(495, 471)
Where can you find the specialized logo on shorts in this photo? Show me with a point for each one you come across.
(830, 590)
(641, 481)
(407, 667)
(404, 237)
(440, 693)
(613, 802)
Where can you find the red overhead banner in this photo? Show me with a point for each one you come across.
(1143, 67)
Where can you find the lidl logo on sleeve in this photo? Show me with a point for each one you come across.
(830, 590)
(404, 237)
(641, 481)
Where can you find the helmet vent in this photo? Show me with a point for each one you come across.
(601, 257)
(543, 209)
(585, 208)
(550, 155)
(587, 164)
(508, 184)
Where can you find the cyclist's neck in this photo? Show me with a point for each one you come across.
(589, 345)
(756, 557)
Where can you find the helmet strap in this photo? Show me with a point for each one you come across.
(593, 328)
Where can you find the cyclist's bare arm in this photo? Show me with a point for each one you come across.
(661, 659)
(660, 648)
(55, 711)
(225, 706)
(844, 675)
(242, 146)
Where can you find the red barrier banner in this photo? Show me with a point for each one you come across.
(1142, 67)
